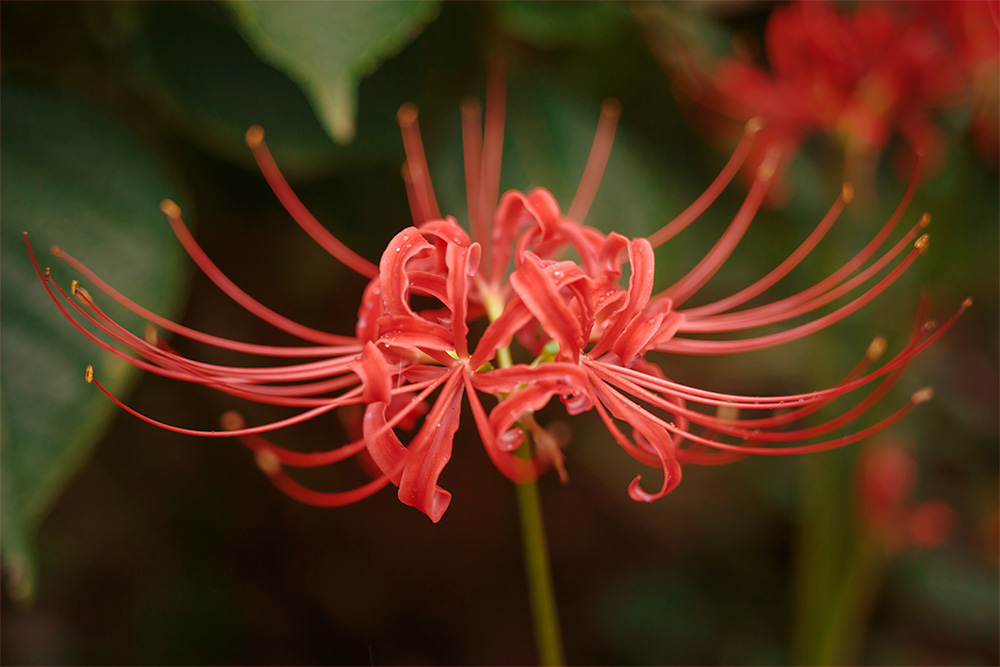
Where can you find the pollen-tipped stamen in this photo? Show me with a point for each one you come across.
(298, 211)
(600, 151)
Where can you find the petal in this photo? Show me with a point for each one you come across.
(462, 263)
(413, 331)
(513, 467)
(392, 269)
(430, 451)
(540, 295)
(375, 374)
(640, 288)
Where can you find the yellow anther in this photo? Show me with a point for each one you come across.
(74, 286)
(48, 272)
(471, 107)
(611, 108)
(922, 395)
(876, 348)
(754, 125)
(847, 193)
(967, 303)
(170, 209)
(765, 171)
(922, 243)
(232, 420)
(56, 250)
(254, 136)
(88, 375)
(727, 412)
(925, 220)
(407, 114)
(267, 461)
(150, 336)
(83, 295)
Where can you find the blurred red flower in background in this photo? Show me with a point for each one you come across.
(862, 74)
(886, 480)
(528, 305)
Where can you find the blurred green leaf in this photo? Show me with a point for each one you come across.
(73, 176)
(328, 47)
(214, 88)
(556, 24)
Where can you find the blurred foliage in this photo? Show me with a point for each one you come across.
(70, 174)
(165, 549)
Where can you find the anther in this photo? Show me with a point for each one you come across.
(88, 375)
(231, 420)
(56, 250)
(877, 348)
(48, 272)
(170, 209)
(471, 107)
(967, 303)
(727, 412)
(267, 461)
(847, 193)
(82, 294)
(150, 335)
(611, 108)
(922, 395)
(925, 220)
(754, 125)
(407, 114)
(73, 287)
(254, 136)
(769, 165)
(922, 243)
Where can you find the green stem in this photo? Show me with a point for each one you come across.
(841, 641)
(541, 592)
(545, 616)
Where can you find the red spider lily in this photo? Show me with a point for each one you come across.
(886, 479)
(552, 327)
(865, 74)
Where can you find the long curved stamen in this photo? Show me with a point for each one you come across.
(759, 430)
(783, 269)
(687, 392)
(695, 279)
(424, 201)
(600, 151)
(233, 421)
(697, 346)
(187, 332)
(353, 397)
(173, 213)
(918, 397)
(298, 211)
(472, 151)
(701, 204)
(241, 382)
(803, 302)
(489, 190)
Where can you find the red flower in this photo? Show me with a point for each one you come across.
(886, 479)
(865, 74)
(554, 327)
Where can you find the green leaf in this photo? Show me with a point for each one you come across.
(562, 24)
(328, 47)
(71, 175)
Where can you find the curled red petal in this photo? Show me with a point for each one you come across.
(430, 451)
(375, 375)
